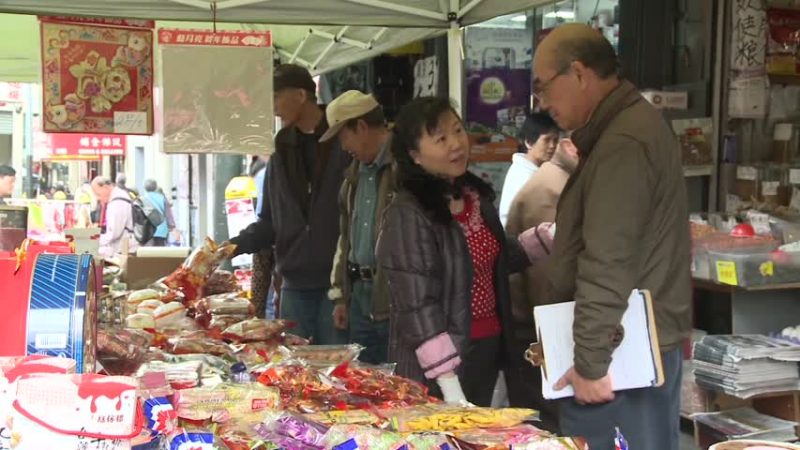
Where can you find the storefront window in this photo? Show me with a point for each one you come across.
(601, 14)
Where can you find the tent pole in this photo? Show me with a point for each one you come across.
(194, 3)
(469, 7)
(455, 66)
(409, 10)
(299, 47)
(297, 59)
(225, 4)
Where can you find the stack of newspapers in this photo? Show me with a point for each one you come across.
(746, 365)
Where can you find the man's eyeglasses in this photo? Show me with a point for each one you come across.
(540, 88)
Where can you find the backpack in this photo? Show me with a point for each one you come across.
(146, 218)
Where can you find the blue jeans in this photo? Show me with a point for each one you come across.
(374, 336)
(649, 418)
(312, 311)
(270, 309)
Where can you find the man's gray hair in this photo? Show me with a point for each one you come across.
(150, 185)
(102, 181)
(121, 180)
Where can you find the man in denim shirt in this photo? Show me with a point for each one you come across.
(361, 302)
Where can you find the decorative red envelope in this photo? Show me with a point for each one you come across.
(97, 79)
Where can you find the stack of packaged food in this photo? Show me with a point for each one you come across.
(213, 376)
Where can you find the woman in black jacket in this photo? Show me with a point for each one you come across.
(446, 259)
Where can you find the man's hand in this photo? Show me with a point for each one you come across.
(587, 391)
(340, 317)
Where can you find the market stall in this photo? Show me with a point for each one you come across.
(185, 364)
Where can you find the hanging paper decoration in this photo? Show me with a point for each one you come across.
(97, 78)
(217, 91)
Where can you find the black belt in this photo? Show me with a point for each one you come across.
(360, 273)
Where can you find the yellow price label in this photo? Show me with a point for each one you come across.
(726, 273)
(767, 269)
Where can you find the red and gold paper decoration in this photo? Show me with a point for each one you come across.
(97, 78)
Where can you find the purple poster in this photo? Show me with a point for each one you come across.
(498, 98)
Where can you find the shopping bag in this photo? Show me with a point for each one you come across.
(14, 368)
(75, 412)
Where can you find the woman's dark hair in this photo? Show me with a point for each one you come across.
(420, 115)
(536, 125)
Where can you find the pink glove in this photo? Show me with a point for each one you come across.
(538, 241)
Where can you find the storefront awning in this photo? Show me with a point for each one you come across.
(322, 35)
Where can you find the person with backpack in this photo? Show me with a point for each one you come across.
(159, 202)
(116, 217)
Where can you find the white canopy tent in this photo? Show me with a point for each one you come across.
(322, 35)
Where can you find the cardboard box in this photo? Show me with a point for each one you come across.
(144, 271)
(667, 100)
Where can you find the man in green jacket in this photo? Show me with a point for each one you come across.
(622, 225)
(361, 301)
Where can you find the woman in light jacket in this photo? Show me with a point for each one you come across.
(445, 256)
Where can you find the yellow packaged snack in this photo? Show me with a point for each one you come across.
(444, 418)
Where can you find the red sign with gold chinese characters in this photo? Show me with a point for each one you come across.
(79, 147)
(219, 38)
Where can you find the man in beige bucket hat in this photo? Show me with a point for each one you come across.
(362, 303)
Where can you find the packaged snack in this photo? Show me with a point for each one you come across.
(239, 402)
(255, 330)
(225, 304)
(324, 355)
(201, 344)
(434, 441)
(348, 417)
(137, 297)
(149, 307)
(140, 321)
(196, 439)
(387, 368)
(499, 438)
(161, 417)
(291, 339)
(362, 438)
(254, 354)
(193, 275)
(446, 418)
(220, 282)
(122, 351)
(553, 443)
(220, 322)
(239, 436)
(180, 375)
(169, 314)
(292, 432)
(384, 390)
(298, 384)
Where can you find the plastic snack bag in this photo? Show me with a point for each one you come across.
(324, 355)
(362, 438)
(194, 345)
(195, 440)
(384, 390)
(195, 271)
(227, 402)
(292, 432)
(255, 330)
(445, 418)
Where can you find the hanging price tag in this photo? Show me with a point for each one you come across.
(746, 173)
(794, 176)
(726, 273)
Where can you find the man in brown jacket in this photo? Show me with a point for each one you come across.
(361, 298)
(534, 205)
(622, 224)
